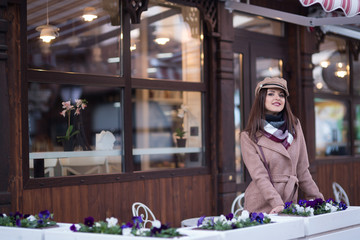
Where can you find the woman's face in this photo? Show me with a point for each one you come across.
(274, 101)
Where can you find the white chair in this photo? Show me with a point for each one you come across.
(140, 209)
(237, 204)
(340, 194)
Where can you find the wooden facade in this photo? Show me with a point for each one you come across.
(172, 195)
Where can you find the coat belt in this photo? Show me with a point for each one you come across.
(291, 187)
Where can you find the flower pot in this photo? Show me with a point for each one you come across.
(181, 142)
(68, 145)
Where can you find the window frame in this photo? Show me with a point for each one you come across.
(127, 83)
(350, 99)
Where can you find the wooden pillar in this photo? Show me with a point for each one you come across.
(5, 198)
(225, 104)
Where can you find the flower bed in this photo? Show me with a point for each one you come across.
(249, 226)
(313, 207)
(42, 220)
(24, 226)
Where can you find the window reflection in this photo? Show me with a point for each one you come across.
(332, 127)
(82, 46)
(159, 115)
(238, 79)
(331, 66)
(167, 43)
(357, 129)
(268, 67)
(95, 138)
(258, 24)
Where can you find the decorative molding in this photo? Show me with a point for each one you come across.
(135, 8)
(208, 8)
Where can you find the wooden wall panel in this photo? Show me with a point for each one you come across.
(347, 174)
(170, 199)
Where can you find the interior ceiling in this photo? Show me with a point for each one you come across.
(66, 15)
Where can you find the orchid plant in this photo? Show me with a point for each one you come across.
(80, 104)
(313, 207)
(230, 221)
(41, 220)
(133, 228)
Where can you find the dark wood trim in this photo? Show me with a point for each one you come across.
(44, 76)
(5, 149)
(167, 85)
(128, 108)
(112, 178)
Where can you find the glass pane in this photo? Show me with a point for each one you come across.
(85, 140)
(238, 78)
(268, 67)
(332, 127)
(331, 66)
(160, 119)
(167, 43)
(357, 129)
(81, 46)
(258, 24)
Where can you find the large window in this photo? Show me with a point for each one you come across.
(336, 99)
(86, 116)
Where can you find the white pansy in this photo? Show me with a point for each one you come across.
(4, 215)
(244, 215)
(111, 221)
(126, 231)
(156, 223)
(31, 218)
(97, 224)
(222, 218)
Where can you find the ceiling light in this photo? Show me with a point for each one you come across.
(162, 40)
(89, 14)
(47, 32)
(341, 74)
(324, 64)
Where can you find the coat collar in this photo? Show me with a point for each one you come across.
(270, 144)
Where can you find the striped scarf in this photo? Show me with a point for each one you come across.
(278, 134)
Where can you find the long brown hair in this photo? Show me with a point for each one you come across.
(257, 114)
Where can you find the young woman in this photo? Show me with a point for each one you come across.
(274, 151)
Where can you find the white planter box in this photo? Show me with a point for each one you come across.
(332, 221)
(17, 233)
(280, 228)
(64, 233)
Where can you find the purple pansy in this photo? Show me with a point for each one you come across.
(229, 216)
(287, 204)
(73, 228)
(44, 214)
(18, 222)
(89, 221)
(201, 220)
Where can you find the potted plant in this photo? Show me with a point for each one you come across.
(180, 140)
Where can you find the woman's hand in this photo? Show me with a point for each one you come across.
(277, 209)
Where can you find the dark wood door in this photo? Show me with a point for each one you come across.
(256, 56)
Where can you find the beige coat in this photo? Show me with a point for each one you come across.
(288, 167)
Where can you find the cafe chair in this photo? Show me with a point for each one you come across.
(340, 194)
(140, 209)
(237, 205)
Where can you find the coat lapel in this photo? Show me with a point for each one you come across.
(270, 144)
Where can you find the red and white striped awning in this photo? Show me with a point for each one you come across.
(350, 7)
